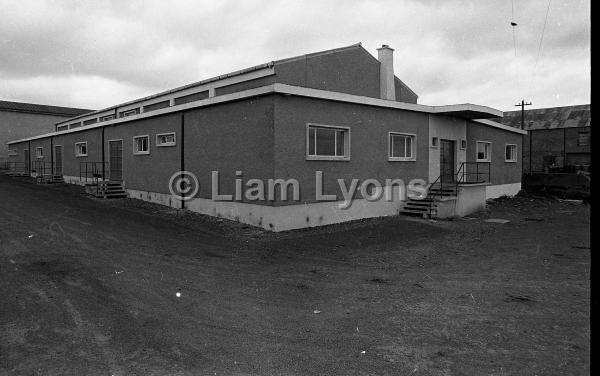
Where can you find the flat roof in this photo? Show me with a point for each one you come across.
(457, 109)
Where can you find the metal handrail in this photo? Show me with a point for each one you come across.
(93, 170)
(43, 168)
(481, 176)
(17, 166)
(460, 177)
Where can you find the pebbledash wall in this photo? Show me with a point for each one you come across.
(259, 127)
(505, 175)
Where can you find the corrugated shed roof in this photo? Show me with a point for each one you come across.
(41, 109)
(553, 117)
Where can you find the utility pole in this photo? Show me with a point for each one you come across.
(522, 105)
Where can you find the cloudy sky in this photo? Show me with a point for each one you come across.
(93, 54)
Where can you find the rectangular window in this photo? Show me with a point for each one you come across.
(583, 139)
(74, 125)
(39, 152)
(81, 149)
(401, 147)
(107, 117)
(463, 144)
(132, 112)
(165, 139)
(141, 145)
(435, 142)
(90, 121)
(511, 153)
(484, 151)
(12, 152)
(191, 97)
(327, 142)
(156, 106)
(62, 128)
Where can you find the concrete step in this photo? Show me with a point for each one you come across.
(115, 195)
(421, 203)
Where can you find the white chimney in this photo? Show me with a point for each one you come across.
(385, 54)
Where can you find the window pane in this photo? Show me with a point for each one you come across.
(482, 150)
(340, 144)
(398, 146)
(408, 147)
(325, 141)
(311, 141)
(508, 153)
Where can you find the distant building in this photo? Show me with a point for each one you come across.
(19, 120)
(560, 137)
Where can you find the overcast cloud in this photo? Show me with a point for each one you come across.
(94, 54)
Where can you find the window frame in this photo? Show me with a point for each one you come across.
(39, 152)
(515, 152)
(347, 143)
(489, 157)
(135, 151)
(130, 112)
(413, 147)
(166, 144)
(435, 144)
(77, 154)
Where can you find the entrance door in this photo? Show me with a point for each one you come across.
(447, 160)
(115, 154)
(58, 160)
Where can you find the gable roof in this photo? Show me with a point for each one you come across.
(41, 109)
(552, 117)
(268, 65)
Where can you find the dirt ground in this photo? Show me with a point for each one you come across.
(89, 287)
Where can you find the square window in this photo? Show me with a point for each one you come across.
(511, 153)
(328, 143)
(583, 139)
(81, 149)
(401, 147)
(484, 151)
(165, 139)
(141, 145)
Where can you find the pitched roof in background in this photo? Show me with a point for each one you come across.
(41, 109)
(553, 117)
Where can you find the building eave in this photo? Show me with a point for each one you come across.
(500, 126)
(303, 92)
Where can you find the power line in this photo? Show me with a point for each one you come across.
(537, 58)
(513, 24)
